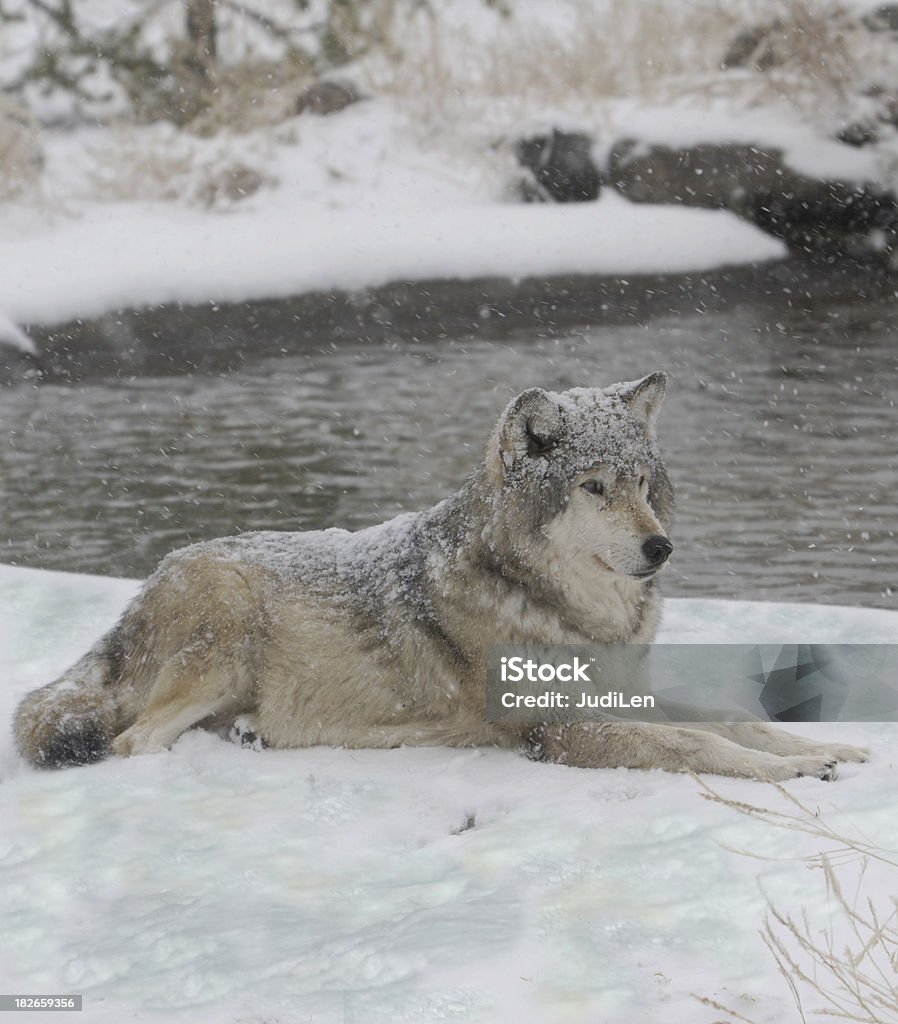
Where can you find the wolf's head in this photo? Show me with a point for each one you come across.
(580, 478)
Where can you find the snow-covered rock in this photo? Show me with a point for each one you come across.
(562, 166)
(815, 215)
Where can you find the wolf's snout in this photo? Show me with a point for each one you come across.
(657, 549)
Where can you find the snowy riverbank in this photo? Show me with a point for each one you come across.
(357, 206)
(352, 202)
(213, 884)
(422, 175)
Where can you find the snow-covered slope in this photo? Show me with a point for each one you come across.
(214, 884)
(144, 254)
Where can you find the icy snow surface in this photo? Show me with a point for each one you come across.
(215, 884)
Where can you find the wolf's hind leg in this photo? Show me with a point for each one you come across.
(245, 733)
(179, 699)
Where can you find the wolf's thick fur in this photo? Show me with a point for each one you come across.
(376, 638)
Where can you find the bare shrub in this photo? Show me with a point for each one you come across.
(160, 163)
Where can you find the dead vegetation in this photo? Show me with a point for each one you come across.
(846, 969)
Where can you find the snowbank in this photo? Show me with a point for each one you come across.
(136, 255)
(214, 884)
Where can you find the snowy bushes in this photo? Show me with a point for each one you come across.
(454, 63)
(834, 65)
(159, 162)
(177, 61)
(187, 61)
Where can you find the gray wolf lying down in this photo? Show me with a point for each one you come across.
(376, 638)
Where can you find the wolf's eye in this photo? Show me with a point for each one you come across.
(593, 487)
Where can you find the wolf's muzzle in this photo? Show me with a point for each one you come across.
(656, 550)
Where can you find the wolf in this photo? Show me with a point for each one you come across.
(376, 638)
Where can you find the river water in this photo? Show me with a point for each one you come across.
(780, 430)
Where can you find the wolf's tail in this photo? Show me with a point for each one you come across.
(71, 721)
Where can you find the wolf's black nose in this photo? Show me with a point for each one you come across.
(657, 549)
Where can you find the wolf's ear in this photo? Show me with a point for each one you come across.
(644, 397)
(532, 425)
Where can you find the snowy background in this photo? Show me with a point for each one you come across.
(213, 884)
(120, 204)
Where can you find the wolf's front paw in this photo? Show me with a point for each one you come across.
(781, 769)
(818, 767)
(135, 741)
(844, 752)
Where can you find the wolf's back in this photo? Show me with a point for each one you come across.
(71, 721)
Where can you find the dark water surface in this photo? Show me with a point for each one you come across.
(780, 429)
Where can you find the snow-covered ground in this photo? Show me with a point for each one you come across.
(215, 884)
